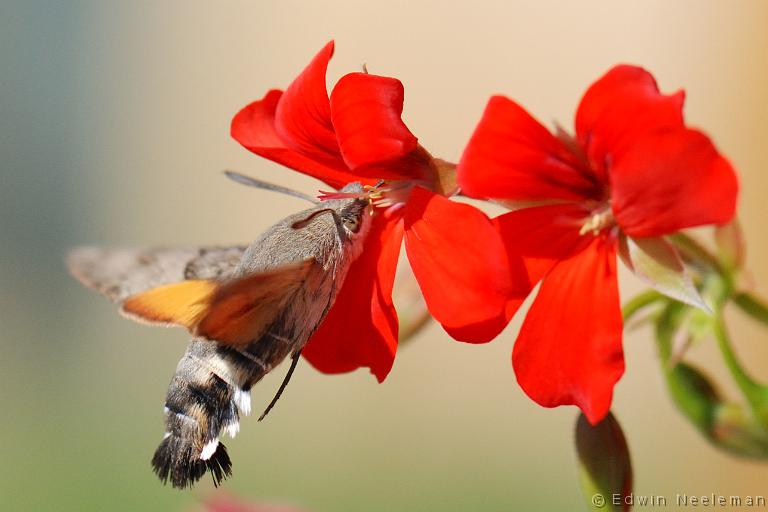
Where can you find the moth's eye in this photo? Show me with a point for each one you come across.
(352, 223)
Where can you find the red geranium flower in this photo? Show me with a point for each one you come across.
(633, 173)
(455, 251)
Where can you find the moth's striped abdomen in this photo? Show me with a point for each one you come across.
(206, 396)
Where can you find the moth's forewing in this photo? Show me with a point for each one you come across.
(232, 312)
(243, 309)
(119, 273)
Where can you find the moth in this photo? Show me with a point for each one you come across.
(248, 308)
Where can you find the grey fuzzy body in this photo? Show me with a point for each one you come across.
(210, 389)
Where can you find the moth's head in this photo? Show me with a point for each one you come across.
(351, 211)
(354, 212)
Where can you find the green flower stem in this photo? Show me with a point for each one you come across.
(755, 394)
(752, 306)
(728, 426)
(741, 429)
(667, 324)
(638, 302)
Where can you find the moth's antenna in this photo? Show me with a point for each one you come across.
(286, 380)
(253, 182)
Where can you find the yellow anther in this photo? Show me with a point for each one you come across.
(597, 222)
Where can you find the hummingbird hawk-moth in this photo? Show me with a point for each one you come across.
(247, 308)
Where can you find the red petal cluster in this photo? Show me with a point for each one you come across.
(632, 159)
(457, 255)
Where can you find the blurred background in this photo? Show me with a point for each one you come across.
(114, 130)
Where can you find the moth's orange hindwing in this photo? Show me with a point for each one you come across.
(184, 303)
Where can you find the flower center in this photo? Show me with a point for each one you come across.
(420, 169)
(389, 196)
(599, 220)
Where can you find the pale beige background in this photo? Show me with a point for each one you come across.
(115, 124)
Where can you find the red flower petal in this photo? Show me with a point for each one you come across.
(254, 128)
(569, 347)
(543, 235)
(620, 107)
(361, 327)
(366, 113)
(486, 330)
(672, 180)
(303, 116)
(512, 156)
(461, 265)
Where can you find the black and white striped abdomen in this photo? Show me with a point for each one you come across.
(206, 396)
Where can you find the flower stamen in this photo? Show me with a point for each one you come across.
(598, 221)
(389, 196)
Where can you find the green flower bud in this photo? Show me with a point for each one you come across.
(604, 464)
